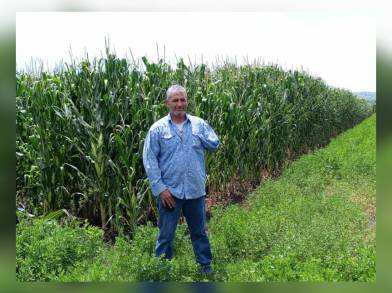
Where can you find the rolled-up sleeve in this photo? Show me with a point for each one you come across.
(150, 162)
(209, 138)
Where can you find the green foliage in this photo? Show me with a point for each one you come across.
(45, 250)
(306, 226)
(80, 130)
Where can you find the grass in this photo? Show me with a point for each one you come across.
(315, 223)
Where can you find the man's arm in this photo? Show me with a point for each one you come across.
(209, 139)
(150, 162)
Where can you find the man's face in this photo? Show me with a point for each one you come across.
(177, 104)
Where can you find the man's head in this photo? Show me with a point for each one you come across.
(176, 100)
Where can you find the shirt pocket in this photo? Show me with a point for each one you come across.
(167, 142)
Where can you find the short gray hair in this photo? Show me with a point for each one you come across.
(175, 88)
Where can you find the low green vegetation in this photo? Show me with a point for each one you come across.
(315, 223)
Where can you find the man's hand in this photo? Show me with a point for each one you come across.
(167, 199)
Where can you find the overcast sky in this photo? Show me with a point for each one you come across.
(338, 47)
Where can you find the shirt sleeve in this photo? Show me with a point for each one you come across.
(209, 139)
(150, 162)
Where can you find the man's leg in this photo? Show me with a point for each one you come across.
(194, 212)
(167, 223)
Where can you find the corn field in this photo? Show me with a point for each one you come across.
(81, 129)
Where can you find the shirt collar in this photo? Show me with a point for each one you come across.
(169, 118)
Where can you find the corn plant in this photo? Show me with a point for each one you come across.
(81, 129)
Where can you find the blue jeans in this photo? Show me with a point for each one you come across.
(194, 212)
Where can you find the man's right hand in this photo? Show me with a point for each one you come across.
(167, 199)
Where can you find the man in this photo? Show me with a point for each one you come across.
(173, 157)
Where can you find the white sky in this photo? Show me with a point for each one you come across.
(338, 47)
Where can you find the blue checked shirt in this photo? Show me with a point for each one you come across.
(175, 161)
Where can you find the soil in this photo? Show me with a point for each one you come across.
(237, 192)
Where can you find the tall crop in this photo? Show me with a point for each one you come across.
(80, 130)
